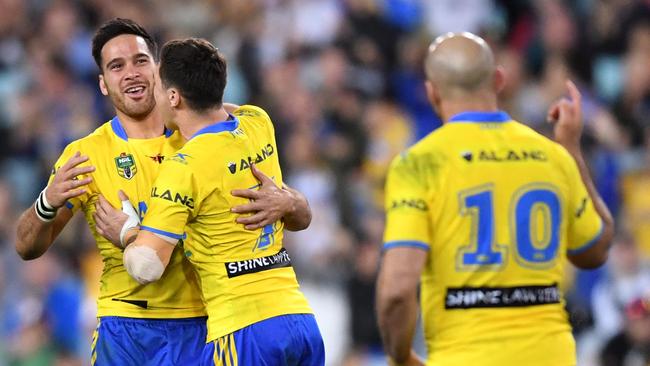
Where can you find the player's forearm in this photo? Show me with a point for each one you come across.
(299, 217)
(33, 236)
(147, 256)
(130, 236)
(397, 315)
(597, 255)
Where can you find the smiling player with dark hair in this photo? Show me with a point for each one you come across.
(161, 324)
(256, 312)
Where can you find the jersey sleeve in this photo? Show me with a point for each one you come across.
(248, 110)
(262, 118)
(407, 208)
(584, 223)
(78, 202)
(172, 201)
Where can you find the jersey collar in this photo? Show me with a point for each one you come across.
(480, 117)
(116, 125)
(230, 124)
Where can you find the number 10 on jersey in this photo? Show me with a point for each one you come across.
(534, 219)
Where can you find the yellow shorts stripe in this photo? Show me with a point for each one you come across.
(233, 350)
(215, 356)
(225, 351)
(93, 351)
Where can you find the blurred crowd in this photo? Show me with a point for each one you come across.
(343, 83)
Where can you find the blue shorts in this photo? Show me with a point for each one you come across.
(144, 342)
(286, 340)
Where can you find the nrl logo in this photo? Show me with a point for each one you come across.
(125, 166)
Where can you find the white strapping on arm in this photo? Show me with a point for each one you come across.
(132, 221)
(143, 264)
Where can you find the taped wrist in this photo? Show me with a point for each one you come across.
(132, 221)
(44, 210)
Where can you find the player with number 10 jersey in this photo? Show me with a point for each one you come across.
(505, 215)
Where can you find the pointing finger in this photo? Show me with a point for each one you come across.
(574, 93)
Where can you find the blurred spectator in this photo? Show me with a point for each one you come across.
(628, 275)
(457, 15)
(631, 347)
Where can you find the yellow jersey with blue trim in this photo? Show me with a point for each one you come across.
(497, 207)
(131, 165)
(245, 276)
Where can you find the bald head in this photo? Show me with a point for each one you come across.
(459, 64)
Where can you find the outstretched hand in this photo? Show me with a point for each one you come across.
(566, 115)
(268, 204)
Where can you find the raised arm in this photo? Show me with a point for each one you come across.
(42, 222)
(567, 117)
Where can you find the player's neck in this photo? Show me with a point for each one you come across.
(151, 126)
(477, 103)
(190, 122)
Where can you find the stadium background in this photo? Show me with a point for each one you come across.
(342, 80)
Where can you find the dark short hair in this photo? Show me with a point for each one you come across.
(117, 27)
(197, 69)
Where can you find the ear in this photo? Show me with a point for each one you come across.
(102, 86)
(174, 97)
(499, 79)
(432, 93)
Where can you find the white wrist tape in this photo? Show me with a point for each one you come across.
(143, 264)
(132, 221)
(44, 210)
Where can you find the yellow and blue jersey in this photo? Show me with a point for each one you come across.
(497, 207)
(131, 165)
(245, 276)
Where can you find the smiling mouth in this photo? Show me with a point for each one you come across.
(135, 91)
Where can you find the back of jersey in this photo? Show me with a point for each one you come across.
(245, 275)
(497, 206)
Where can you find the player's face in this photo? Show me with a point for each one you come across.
(128, 75)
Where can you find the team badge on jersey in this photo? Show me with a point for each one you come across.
(126, 165)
